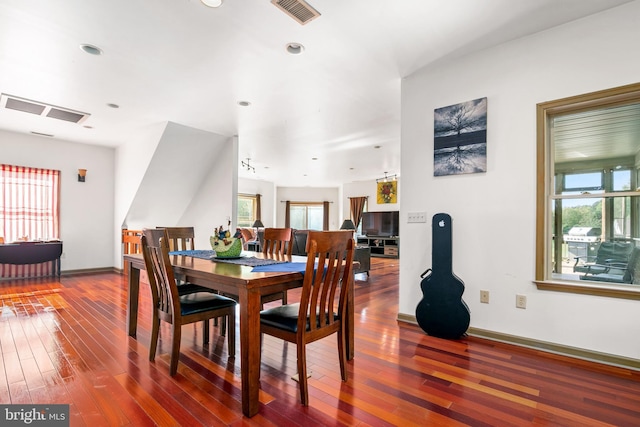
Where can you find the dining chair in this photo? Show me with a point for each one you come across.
(130, 245)
(323, 301)
(180, 238)
(276, 242)
(178, 309)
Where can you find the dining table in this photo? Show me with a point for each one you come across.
(241, 280)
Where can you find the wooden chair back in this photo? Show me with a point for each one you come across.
(130, 245)
(131, 241)
(277, 241)
(180, 238)
(326, 281)
(164, 291)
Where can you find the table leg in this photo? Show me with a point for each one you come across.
(132, 300)
(249, 302)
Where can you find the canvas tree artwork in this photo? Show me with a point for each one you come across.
(460, 138)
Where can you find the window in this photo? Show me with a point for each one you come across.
(29, 203)
(587, 198)
(306, 216)
(247, 205)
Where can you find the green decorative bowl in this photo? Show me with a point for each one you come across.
(231, 249)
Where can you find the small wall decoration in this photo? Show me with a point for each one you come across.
(387, 192)
(460, 138)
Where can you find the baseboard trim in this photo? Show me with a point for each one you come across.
(89, 271)
(578, 353)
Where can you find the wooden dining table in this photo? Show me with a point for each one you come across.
(238, 280)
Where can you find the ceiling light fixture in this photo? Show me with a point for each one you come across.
(295, 48)
(386, 178)
(212, 3)
(248, 166)
(91, 49)
(244, 103)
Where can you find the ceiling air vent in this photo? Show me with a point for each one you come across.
(299, 10)
(41, 109)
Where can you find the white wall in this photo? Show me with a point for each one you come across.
(215, 202)
(494, 212)
(86, 208)
(268, 200)
(193, 172)
(309, 194)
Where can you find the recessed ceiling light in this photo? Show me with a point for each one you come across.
(295, 48)
(376, 146)
(314, 158)
(91, 49)
(87, 127)
(113, 105)
(244, 103)
(212, 3)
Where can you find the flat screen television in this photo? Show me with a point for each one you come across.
(384, 224)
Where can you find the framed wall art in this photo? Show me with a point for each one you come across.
(387, 192)
(460, 138)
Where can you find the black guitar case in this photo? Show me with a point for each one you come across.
(442, 312)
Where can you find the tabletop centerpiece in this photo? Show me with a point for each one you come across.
(224, 244)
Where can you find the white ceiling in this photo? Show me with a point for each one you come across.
(179, 61)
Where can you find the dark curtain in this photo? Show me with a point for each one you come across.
(287, 214)
(258, 207)
(325, 214)
(357, 207)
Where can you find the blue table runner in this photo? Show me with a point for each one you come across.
(287, 267)
(251, 261)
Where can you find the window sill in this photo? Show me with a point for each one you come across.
(590, 288)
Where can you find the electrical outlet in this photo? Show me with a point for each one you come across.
(484, 297)
(521, 301)
(417, 217)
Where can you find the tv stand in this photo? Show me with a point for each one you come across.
(382, 246)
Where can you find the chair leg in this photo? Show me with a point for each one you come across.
(302, 374)
(205, 332)
(342, 353)
(284, 297)
(155, 331)
(176, 335)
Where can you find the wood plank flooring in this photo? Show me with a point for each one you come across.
(65, 342)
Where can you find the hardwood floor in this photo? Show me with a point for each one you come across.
(65, 342)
